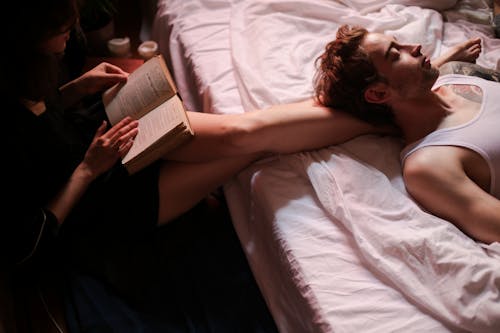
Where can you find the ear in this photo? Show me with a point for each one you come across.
(377, 93)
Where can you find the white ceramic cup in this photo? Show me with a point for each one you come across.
(119, 46)
(148, 49)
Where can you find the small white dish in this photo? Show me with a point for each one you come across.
(119, 46)
(148, 49)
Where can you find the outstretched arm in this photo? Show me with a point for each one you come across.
(225, 144)
(440, 184)
(283, 128)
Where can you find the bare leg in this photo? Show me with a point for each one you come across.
(183, 185)
(467, 51)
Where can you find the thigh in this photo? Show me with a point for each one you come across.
(183, 185)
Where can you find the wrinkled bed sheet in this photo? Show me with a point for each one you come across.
(334, 241)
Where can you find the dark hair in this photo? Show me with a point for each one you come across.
(26, 72)
(343, 72)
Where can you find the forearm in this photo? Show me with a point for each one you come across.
(303, 126)
(283, 128)
(482, 219)
(62, 204)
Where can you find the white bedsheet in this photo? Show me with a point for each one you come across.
(334, 241)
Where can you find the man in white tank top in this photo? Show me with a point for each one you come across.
(451, 125)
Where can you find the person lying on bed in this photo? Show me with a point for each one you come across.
(451, 162)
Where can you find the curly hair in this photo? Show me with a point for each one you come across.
(343, 73)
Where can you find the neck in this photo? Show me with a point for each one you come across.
(421, 115)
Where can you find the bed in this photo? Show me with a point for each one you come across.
(333, 239)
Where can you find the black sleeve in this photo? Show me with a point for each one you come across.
(26, 236)
(30, 177)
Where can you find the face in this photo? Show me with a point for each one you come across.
(405, 68)
(56, 42)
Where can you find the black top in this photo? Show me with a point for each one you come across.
(39, 155)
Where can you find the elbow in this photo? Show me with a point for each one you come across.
(242, 136)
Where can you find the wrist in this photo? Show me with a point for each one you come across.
(84, 173)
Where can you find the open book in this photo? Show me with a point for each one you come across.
(151, 97)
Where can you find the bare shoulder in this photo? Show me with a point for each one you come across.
(431, 163)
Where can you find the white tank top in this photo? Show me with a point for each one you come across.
(481, 134)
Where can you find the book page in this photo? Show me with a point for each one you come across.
(156, 124)
(147, 87)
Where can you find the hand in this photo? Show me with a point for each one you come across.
(100, 78)
(109, 145)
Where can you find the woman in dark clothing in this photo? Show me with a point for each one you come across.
(68, 201)
(62, 162)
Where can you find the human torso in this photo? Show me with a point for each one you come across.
(44, 148)
(473, 133)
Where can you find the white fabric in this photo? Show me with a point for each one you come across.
(194, 38)
(335, 243)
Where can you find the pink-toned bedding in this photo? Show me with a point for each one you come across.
(333, 239)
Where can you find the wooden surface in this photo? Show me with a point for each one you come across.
(127, 64)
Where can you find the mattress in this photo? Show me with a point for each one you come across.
(332, 237)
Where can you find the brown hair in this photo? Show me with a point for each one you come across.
(343, 72)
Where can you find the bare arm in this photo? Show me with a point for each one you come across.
(283, 128)
(440, 184)
(467, 51)
(96, 80)
(105, 150)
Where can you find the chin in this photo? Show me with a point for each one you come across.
(431, 74)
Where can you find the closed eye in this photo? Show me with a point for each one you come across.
(393, 54)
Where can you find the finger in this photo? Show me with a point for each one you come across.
(101, 129)
(112, 132)
(128, 136)
(116, 145)
(116, 78)
(110, 68)
(476, 51)
(124, 148)
(477, 46)
(124, 135)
